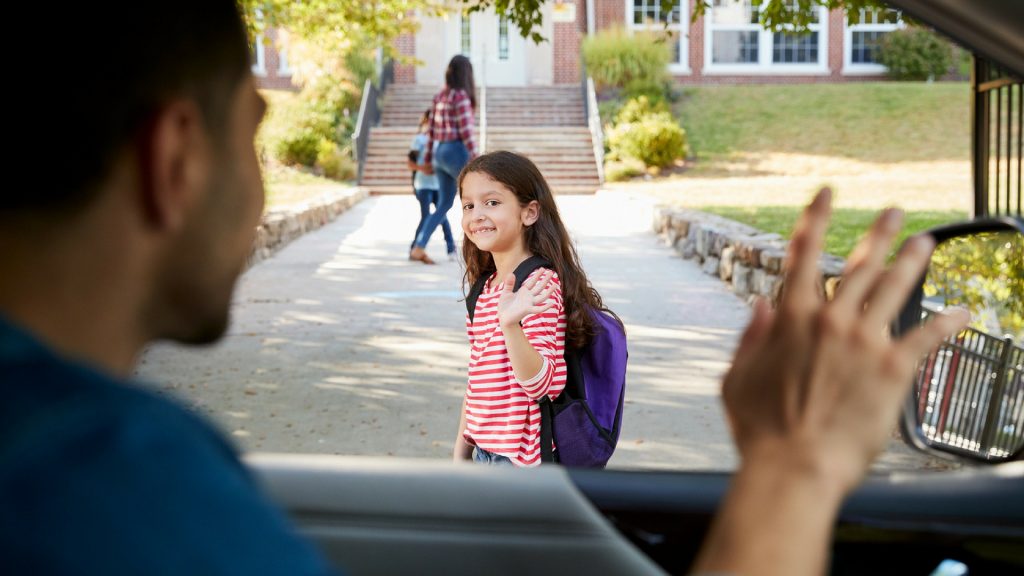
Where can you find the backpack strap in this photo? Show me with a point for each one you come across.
(547, 442)
(522, 272)
(474, 295)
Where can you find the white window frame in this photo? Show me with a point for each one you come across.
(259, 67)
(283, 68)
(765, 49)
(682, 28)
(851, 68)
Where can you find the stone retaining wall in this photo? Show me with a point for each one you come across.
(749, 260)
(280, 226)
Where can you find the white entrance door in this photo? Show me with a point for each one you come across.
(493, 45)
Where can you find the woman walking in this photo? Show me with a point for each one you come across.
(452, 127)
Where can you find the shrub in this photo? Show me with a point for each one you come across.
(609, 110)
(656, 140)
(915, 54)
(616, 59)
(334, 162)
(654, 90)
(639, 108)
(624, 169)
(294, 128)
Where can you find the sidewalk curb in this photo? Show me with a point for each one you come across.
(280, 226)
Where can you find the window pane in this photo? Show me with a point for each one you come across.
(864, 47)
(649, 13)
(795, 49)
(673, 41)
(735, 12)
(734, 47)
(503, 38)
(794, 5)
(888, 17)
(465, 35)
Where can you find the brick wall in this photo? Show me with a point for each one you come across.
(836, 19)
(406, 45)
(273, 79)
(566, 44)
(608, 14)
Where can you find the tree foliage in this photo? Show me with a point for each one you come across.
(983, 273)
(383, 20)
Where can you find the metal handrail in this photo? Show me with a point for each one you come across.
(594, 123)
(369, 114)
(483, 119)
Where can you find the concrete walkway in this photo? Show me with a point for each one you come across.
(340, 345)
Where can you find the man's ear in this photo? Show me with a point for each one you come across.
(531, 212)
(174, 163)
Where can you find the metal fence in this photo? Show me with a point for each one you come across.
(971, 394)
(998, 107)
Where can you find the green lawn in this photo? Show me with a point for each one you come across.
(869, 121)
(847, 226)
(760, 152)
(287, 186)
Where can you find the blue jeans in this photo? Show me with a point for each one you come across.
(427, 196)
(449, 159)
(482, 456)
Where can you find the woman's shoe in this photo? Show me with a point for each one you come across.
(453, 257)
(420, 254)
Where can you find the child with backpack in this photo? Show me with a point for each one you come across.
(426, 189)
(547, 360)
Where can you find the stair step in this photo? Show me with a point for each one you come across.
(556, 139)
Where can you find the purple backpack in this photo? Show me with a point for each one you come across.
(584, 421)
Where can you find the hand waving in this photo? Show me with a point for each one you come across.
(531, 298)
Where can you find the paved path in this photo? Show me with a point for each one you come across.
(340, 345)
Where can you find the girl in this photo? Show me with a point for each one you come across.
(425, 188)
(517, 339)
(451, 126)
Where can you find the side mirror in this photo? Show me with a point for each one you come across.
(968, 394)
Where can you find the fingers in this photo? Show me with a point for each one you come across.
(924, 339)
(752, 339)
(868, 260)
(801, 291)
(539, 280)
(892, 288)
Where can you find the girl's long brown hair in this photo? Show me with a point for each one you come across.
(547, 237)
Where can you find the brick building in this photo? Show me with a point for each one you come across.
(725, 45)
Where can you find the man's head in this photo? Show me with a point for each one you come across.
(150, 117)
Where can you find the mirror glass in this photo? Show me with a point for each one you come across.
(970, 391)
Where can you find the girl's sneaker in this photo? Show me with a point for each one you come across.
(453, 256)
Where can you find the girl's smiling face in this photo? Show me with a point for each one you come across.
(492, 217)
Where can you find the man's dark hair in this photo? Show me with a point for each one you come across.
(119, 63)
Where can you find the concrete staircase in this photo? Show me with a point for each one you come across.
(545, 123)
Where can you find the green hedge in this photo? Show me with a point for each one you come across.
(615, 59)
(915, 54)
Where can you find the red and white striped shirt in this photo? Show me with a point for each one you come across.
(502, 415)
(452, 120)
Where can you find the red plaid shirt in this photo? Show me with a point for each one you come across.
(452, 120)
